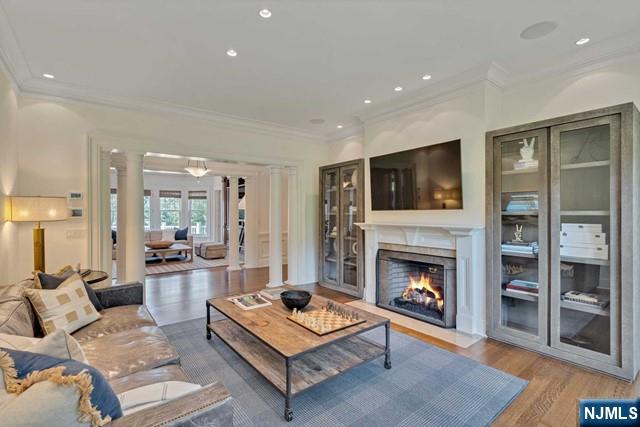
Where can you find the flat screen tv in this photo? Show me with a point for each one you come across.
(420, 179)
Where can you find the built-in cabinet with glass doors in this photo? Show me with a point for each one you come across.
(341, 241)
(562, 238)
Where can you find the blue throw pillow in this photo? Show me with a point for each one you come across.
(181, 234)
(102, 397)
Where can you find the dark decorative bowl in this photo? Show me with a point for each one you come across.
(295, 299)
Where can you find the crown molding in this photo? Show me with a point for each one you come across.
(12, 60)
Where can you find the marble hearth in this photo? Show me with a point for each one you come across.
(464, 243)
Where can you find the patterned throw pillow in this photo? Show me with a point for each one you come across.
(52, 281)
(45, 390)
(67, 307)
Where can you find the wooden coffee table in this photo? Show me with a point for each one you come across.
(289, 356)
(174, 249)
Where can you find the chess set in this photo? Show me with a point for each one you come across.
(330, 318)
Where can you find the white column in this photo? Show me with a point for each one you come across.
(293, 234)
(233, 255)
(275, 228)
(134, 227)
(251, 222)
(105, 212)
(121, 233)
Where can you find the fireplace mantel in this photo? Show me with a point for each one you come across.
(465, 240)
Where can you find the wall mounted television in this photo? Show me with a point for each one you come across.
(419, 179)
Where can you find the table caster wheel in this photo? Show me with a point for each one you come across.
(387, 364)
(288, 414)
(208, 335)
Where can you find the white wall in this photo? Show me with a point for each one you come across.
(53, 153)
(8, 180)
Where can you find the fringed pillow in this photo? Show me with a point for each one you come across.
(54, 392)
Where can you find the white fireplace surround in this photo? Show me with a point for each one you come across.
(465, 241)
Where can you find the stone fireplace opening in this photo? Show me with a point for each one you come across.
(417, 285)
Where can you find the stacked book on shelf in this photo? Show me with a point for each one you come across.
(522, 286)
(522, 202)
(520, 247)
(525, 164)
(586, 298)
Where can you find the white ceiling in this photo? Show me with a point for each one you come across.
(312, 59)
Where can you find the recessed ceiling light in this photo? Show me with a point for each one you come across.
(367, 101)
(232, 53)
(398, 88)
(265, 13)
(538, 30)
(339, 126)
(426, 77)
(583, 40)
(48, 76)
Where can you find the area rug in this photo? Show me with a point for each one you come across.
(427, 386)
(197, 264)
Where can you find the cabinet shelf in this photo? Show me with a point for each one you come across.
(578, 260)
(570, 166)
(584, 213)
(519, 213)
(520, 171)
(519, 254)
(520, 295)
(585, 308)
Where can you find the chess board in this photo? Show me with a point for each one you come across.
(332, 321)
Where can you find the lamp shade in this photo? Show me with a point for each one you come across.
(39, 209)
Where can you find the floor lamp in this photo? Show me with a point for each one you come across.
(38, 209)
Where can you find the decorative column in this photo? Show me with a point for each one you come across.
(104, 179)
(251, 221)
(134, 223)
(233, 256)
(121, 232)
(275, 228)
(293, 235)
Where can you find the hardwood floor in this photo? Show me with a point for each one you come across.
(550, 399)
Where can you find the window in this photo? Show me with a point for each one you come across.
(147, 209)
(170, 209)
(198, 212)
(114, 209)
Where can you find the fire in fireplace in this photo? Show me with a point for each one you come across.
(421, 297)
(421, 286)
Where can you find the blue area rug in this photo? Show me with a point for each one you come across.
(427, 386)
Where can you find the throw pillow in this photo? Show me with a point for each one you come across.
(31, 375)
(67, 307)
(52, 281)
(57, 344)
(168, 235)
(181, 234)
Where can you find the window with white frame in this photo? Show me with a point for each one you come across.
(198, 212)
(147, 209)
(114, 209)
(170, 209)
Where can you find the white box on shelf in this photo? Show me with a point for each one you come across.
(589, 228)
(582, 237)
(585, 251)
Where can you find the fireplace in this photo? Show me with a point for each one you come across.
(417, 285)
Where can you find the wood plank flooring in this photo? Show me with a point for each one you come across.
(551, 398)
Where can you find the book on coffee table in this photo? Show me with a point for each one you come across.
(250, 301)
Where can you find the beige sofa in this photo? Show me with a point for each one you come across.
(131, 351)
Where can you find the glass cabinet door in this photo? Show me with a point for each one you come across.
(330, 226)
(584, 230)
(349, 187)
(520, 200)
